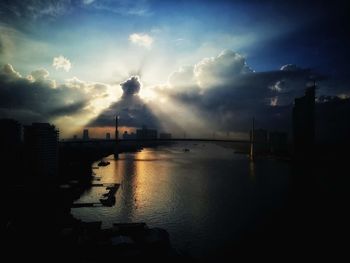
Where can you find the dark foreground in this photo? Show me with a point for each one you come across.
(37, 220)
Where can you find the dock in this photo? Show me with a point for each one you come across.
(108, 199)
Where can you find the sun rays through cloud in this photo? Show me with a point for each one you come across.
(196, 70)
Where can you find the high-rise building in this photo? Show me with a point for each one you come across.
(10, 132)
(10, 141)
(41, 144)
(86, 134)
(108, 136)
(304, 123)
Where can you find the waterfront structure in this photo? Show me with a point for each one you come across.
(164, 136)
(41, 145)
(146, 134)
(304, 122)
(86, 134)
(108, 136)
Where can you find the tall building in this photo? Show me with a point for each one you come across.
(108, 136)
(146, 134)
(41, 144)
(10, 132)
(86, 134)
(304, 123)
(10, 141)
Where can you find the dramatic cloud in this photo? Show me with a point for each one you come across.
(37, 98)
(227, 93)
(131, 86)
(182, 78)
(39, 74)
(10, 72)
(131, 109)
(61, 62)
(143, 40)
(217, 70)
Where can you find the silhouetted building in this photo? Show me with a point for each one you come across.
(41, 144)
(108, 136)
(164, 136)
(332, 125)
(304, 123)
(10, 141)
(278, 142)
(10, 132)
(129, 136)
(146, 134)
(260, 140)
(86, 134)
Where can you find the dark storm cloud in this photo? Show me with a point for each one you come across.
(132, 111)
(35, 98)
(131, 86)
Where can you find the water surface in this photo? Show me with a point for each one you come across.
(204, 198)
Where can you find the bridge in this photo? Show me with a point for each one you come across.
(154, 140)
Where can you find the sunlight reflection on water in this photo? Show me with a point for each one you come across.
(202, 197)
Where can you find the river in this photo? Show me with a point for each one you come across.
(204, 198)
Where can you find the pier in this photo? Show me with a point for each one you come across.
(107, 199)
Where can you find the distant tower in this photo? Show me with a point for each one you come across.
(116, 146)
(251, 154)
(116, 128)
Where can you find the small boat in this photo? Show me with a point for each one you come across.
(103, 163)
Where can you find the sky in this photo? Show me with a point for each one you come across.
(179, 66)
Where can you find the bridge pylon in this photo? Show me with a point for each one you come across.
(251, 153)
